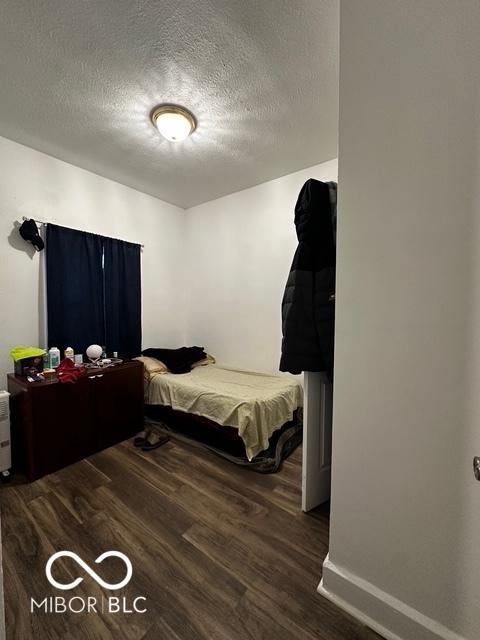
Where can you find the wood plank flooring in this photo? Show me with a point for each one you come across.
(218, 551)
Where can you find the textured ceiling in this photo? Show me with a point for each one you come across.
(79, 78)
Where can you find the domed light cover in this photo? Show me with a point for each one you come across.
(175, 123)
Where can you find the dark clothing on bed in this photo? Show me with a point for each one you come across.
(177, 360)
(308, 307)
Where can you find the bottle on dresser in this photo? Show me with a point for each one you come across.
(54, 354)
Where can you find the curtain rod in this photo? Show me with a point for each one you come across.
(47, 223)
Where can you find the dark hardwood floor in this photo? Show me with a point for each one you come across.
(219, 552)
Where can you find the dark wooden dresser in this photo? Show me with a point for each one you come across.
(54, 424)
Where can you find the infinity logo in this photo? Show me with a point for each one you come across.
(91, 572)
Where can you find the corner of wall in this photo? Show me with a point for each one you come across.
(383, 613)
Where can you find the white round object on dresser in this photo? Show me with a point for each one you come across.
(94, 352)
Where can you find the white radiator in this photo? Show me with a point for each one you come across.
(5, 449)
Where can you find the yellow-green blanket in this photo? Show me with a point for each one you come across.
(257, 404)
(20, 353)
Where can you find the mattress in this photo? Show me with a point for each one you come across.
(257, 404)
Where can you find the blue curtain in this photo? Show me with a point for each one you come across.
(93, 292)
(75, 300)
(123, 301)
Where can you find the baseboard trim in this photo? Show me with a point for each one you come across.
(388, 616)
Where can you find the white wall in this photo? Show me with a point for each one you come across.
(405, 523)
(39, 186)
(240, 248)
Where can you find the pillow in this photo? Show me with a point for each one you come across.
(152, 366)
(202, 363)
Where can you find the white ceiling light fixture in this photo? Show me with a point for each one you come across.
(175, 123)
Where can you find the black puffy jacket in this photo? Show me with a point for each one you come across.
(308, 307)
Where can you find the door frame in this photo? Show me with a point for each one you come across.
(317, 439)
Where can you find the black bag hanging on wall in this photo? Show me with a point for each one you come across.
(308, 306)
(29, 232)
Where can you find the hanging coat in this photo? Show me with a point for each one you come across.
(308, 307)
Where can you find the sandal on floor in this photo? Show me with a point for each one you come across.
(142, 438)
(155, 440)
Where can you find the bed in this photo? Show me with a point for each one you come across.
(253, 405)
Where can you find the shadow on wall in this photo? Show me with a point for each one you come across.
(16, 241)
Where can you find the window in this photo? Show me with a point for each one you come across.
(93, 291)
